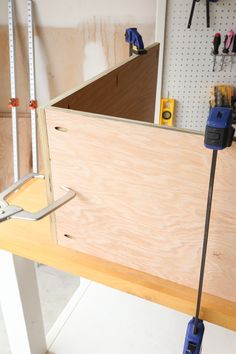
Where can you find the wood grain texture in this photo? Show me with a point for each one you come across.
(33, 240)
(6, 163)
(129, 91)
(141, 198)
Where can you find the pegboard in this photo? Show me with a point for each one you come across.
(188, 63)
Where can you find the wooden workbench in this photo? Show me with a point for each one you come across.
(76, 142)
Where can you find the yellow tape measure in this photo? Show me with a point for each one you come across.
(167, 111)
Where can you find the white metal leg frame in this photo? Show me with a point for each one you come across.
(21, 305)
(19, 294)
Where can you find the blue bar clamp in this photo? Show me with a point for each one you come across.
(219, 135)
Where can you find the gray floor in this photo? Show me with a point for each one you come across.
(55, 289)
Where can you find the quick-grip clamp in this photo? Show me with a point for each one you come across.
(8, 211)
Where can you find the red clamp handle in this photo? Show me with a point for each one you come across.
(13, 102)
(33, 104)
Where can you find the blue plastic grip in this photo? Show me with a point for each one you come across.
(133, 37)
(193, 342)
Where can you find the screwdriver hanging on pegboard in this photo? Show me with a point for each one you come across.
(207, 12)
(227, 44)
(216, 46)
(233, 51)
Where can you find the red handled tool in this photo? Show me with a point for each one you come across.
(227, 44)
(216, 46)
(233, 51)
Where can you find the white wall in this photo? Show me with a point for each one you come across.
(69, 13)
(74, 40)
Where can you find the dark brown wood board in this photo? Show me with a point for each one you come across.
(128, 91)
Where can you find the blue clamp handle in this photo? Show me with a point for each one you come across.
(135, 39)
(193, 342)
(219, 131)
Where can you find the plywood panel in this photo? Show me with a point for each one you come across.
(129, 91)
(33, 240)
(141, 198)
(6, 164)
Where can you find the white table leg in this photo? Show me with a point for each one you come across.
(19, 298)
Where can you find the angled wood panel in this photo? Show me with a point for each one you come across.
(128, 91)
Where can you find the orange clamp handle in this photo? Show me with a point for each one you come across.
(13, 102)
(33, 104)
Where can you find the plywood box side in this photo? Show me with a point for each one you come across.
(141, 198)
(127, 91)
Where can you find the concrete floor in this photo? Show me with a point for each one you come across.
(107, 321)
(56, 289)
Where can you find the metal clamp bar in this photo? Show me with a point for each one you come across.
(14, 101)
(8, 211)
(205, 238)
(33, 101)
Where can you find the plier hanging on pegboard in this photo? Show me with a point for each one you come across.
(207, 12)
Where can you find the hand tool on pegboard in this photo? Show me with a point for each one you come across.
(134, 38)
(216, 46)
(219, 135)
(227, 44)
(207, 12)
(14, 100)
(33, 104)
(233, 53)
(224, 96)
(167, 111)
